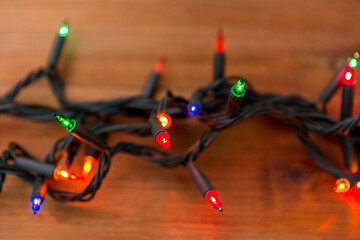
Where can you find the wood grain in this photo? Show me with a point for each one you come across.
(268, 184)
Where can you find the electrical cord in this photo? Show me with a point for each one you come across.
(208, 105)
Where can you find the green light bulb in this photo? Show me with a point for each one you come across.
(238, 90)
(353, 62)
(63, 30)
(66, 122)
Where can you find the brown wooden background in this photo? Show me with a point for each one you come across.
(268, 184)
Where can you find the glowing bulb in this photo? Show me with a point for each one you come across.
(212, 197)
(349, 78)
(219, 46)
(348, 75)
(165, 120)
(63, 174)
(159, 66)
(87, 166)
(36, 203)
(63, 30)
(353, 62)
(342, 185)
(358, 184)
(194, 109)
(89, 160)
(70, 124)
(163, 139)
(238, 90)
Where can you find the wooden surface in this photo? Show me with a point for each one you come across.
(268, 184)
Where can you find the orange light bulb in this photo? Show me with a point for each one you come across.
(62, 174)
(87, 164)
(165, 120)
(342, 185)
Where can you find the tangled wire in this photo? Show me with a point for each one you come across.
(302, 116)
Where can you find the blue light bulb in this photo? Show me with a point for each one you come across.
(194, 108)
(36, 203)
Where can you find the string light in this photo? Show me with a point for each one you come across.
(38, 193)
(204, 185)
(57, 47)
(153, 79)
(235, 98)
(82, 133)
(219, 57)
(209, 101)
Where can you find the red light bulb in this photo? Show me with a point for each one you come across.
(342, 185)
(349, 78)
(159, 66)
(212, 197)
(163, 139)
(219, 46)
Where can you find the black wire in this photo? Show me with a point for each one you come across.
(302, 116)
